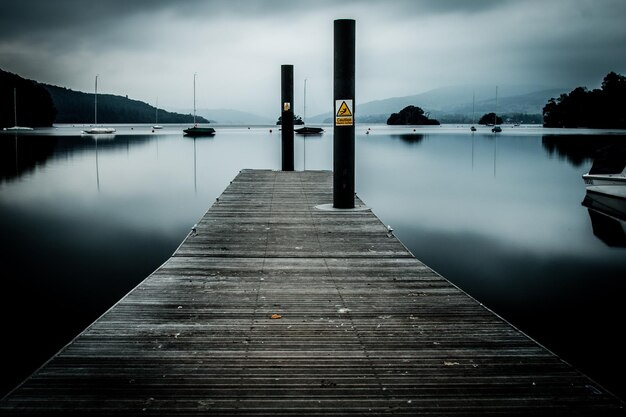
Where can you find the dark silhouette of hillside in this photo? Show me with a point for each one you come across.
(78, 107)
(35, 107)
(41, 105)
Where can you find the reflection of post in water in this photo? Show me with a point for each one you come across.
(195, 188)
(17, 169)
(97, 167)
(495, 153)
(472, 150)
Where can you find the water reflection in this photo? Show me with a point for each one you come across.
(21, 154)
(409, 138)
(498, 216)
(578, 149)
(608, 218)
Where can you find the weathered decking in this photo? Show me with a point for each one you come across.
(364, 328)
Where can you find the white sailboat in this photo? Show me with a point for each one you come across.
(16, 127)
(156, 116)
(97, 130)
(607, 175)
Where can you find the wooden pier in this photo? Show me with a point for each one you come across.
(274, 307)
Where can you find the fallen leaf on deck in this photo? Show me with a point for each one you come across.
(276, 316)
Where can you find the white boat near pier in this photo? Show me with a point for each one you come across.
(608, 173)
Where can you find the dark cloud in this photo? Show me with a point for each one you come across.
(404, 46)
(26, 18)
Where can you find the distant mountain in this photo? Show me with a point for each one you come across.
(78, 107)
(458, 100)
(234, 117)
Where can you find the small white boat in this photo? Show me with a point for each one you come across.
(156, 116)
(608, 173)
(16, 128)
(98, 130)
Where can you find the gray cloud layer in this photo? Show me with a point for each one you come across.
(146, 48)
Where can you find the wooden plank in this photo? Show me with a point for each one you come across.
(361, 328)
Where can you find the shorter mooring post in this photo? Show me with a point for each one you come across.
(286, 82)
(343, 142)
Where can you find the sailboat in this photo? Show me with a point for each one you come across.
(156, 116)
(496, 128)
(97, 130)
(16, 127)
(197, 130)
(473, 128)
(306, 130)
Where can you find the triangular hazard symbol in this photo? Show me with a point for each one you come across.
(344, 110)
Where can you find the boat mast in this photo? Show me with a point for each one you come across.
(495, 115)
(15, 105)
(304, 102)
(194, 98)
(95, 106)
(156, 111)
(473, 102)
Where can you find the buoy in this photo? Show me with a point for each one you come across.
(367, 132)
(270, 130)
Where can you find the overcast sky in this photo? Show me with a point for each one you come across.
(150, 48)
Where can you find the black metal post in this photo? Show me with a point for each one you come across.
(286, 82)
(343, 142)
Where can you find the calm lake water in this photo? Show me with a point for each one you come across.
(83, 221)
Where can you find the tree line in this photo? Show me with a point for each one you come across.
(34, 105)
(602, 108)
(40, 105)
(78, 107)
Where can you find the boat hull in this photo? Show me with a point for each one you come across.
(610, 184)
(17, 128)
(309, 131)
(199, 131)
(99, 131)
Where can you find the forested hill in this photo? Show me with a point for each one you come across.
(43, 104)
(78, 107)
(34, 104)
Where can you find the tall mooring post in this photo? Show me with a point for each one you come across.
(343, 142)
(286, 83)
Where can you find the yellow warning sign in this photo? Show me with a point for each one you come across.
(344, 110)
(345, 113)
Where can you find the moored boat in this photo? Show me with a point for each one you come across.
(199, 131)
(307, 130)
(608, 172)
(16, 128)
(97, 130)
